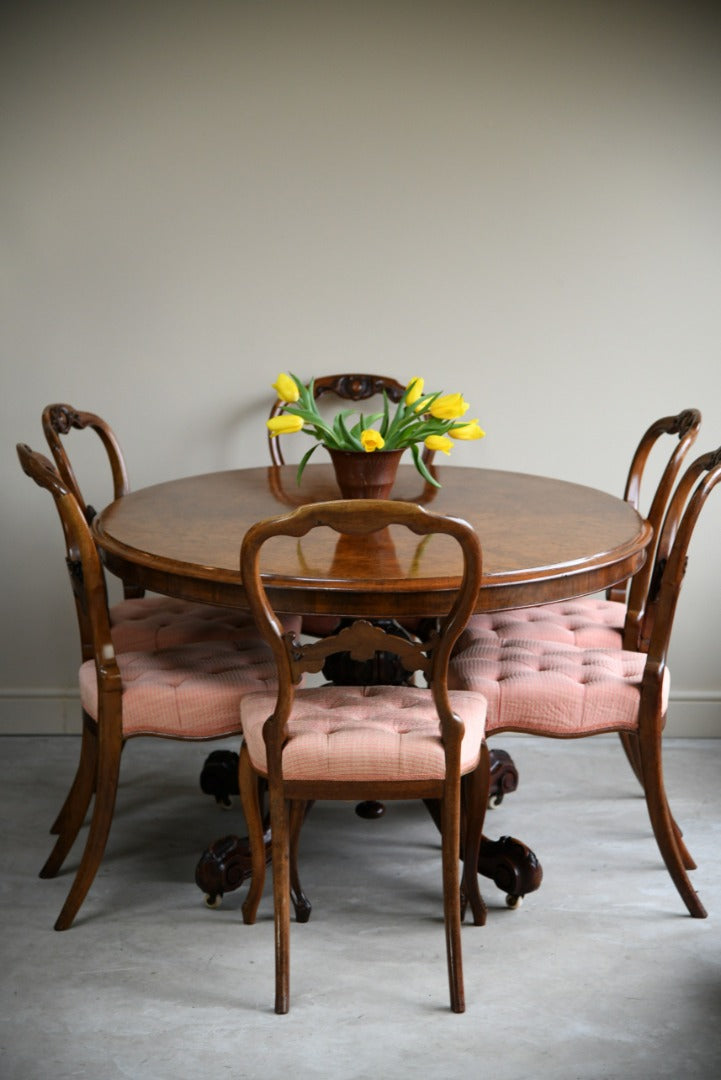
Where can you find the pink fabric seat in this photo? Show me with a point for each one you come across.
(191, 692)
(370, 733)
(161, 622)
(550, 689)
(589, 622)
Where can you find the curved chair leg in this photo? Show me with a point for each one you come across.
(281, 897)
(450, 846)
(70, 819)
(475, 789)
(248, 784)
(109, 751)
(301, 903)
(663, 824)
(84, 776)
(633, 753)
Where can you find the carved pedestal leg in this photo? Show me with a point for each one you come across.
(227, 863)
(219, 776)
(510, 863)
(504, 777)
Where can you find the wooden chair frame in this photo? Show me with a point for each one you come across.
(363, 640)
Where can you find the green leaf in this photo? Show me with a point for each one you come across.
(386, 415)
(304, 461)
(421, 465)
(349, 442)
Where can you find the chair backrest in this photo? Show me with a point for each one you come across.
(659, 603)
(354, 520)
(685, 426)
(58, 421)
(347, 387)
(82, 559)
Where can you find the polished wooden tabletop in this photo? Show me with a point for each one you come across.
(543, 539)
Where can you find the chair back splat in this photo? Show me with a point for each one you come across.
(356, 742)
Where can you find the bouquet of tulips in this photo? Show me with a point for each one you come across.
(420, 419)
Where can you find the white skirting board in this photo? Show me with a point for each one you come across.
(691, 714)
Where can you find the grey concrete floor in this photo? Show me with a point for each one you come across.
(600, 974)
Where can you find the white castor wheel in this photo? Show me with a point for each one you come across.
(213, 901)
(513, 902)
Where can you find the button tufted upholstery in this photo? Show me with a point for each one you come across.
(191, 692)
(161, 622)
(364, 733)
(550, 689)
(589, 622)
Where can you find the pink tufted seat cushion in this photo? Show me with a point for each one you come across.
(162, 622)
(364, 733)
(589, 622)
(551, 689)
(192, 692)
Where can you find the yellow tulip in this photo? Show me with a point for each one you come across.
(449, 407)
(372, 440)
(284, 425)
(285, 388)
(471, 430)
(415, 391)
(439, 442)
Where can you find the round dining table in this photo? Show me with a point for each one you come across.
(542, 539)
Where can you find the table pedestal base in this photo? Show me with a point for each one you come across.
(226, 864)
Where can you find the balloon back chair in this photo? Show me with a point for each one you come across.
(565, 691)
(347, 388)
(609, 621)
(367, 742)
(137, 622)
(191, 691)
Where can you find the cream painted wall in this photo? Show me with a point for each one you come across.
(518, 200)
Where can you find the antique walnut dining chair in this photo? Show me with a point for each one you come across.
(351, 742)
(609, 621)
(346, 387)
(622, 618)
(190, 691)
(563, 691)
(138, 622)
